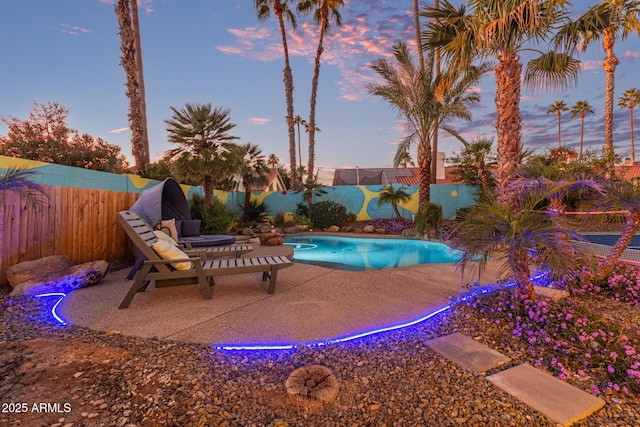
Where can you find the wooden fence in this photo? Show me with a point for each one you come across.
(77, 222)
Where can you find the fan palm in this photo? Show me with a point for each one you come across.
(394, 196)
(273, 161)
(325, 12)
(252, 172)
(204, 156)
(474, 165)
(502, 30)
(298, 121)
(282, 12)
(557, 108)
(516, 235)
(424, 99)
(609, 20)
(630, 99)
(581, 108)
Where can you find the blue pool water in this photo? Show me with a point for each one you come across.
(357, 254)
(611, 239)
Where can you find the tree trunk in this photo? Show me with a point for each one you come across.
(609, 66)
(128, 62)
(288, 88)
(324, 15)
(631, 227)
(396, 210)
(207, 185)
(247, 198)
(522, 274)
(559, 143)
(144, 138)
(581, 132)
(436, 123)
(509, 123)
(424, 168)
(633, 148)
(416, 17)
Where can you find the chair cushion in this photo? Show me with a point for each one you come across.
(168, 226)
(168, 251)
(190, 227)
(161, 235)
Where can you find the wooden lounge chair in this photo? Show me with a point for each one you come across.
(202, 270)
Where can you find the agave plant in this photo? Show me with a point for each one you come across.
(18, 181)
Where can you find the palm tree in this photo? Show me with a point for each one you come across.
(405, 158)
(557, 108)
(620, 195)
(282, 12)
(473, 165)
(512, 233)
(18, 181)
(394, 196)
(273, 161)
(127, 13)
(204, 156)
(252, 171)
(308, 189)
(629, 99)
(582, 108)
(325, 9)
(608, 21)
(297, 120)
(502, 30)
(423, 99)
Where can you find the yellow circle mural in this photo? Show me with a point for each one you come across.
(454, 193)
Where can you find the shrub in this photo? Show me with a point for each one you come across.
(216, 219)
(257, 212)
(392, 225)
(300, 220)
(328, 213)
(429, 218)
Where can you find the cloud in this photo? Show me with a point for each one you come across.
(72, 29)
(259, 121)
(120, 130)
(630, 56)
(590, 65)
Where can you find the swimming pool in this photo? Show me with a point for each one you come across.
(610, 239)
(358, 254)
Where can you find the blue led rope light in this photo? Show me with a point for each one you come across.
(61, 296)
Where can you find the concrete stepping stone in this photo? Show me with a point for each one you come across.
(467, 352)
(560, 402)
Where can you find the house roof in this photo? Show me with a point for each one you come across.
(629, 170)
(383, 176)
(273, 176)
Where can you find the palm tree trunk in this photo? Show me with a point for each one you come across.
(207, 185)
(424, 167)
(609, 66)
(416, 17)
(324, 16)
(581, 133)
(522, 275)
(247, 198)
(559, 143)
(509, 123)
(631, 227)
(396, 210)
(144, 138)
(633, 148)
(288, 88)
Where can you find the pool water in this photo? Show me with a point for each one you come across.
(358, 254)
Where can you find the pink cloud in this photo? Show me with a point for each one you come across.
(259, 121)
(72, 29)
(630, 56)
(590, 65)
(120, 130)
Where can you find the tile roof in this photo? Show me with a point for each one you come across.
(383, 176)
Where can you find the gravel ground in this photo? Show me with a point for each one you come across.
(89, 378)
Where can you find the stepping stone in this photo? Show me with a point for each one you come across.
(560, 402)
(467, 352)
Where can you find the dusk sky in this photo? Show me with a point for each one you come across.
(216, 51)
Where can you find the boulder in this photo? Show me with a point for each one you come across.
(332, 229)
(291, 230)
(410, 233)
(381, 231)
(264, 227)
(76, 277)
(271, 239)
(347, 228)
(28, 270)
(368, 229)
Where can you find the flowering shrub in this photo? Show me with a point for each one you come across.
(328, 213)
(571, 339)
(392, 225)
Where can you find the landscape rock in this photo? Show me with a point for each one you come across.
(332, 229)
(271, 239)
(381, 231)
(347, 228)
(28, 270)
(315, 382)
(291, 230)
(410, 233)
(75, 277)
(368, 229)
(264, 227)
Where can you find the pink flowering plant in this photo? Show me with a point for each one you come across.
(392, 225)
(597, 348)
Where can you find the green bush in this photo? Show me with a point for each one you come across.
(216, 219)
(257, 212)
(301, 220)
(328, 213)
(429, 218)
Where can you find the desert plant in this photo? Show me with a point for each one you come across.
(328, 213)
(216, 218)
(257, 212)
(429, 218)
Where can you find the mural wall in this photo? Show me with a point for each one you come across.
(362, 200)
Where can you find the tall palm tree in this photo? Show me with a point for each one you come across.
(252, 171)
(630, 99)
(273, 161)
(298, 121)
(502, 31)
(205, 154)
(423, 99)
(405, 158)
(473, 165)
(609, 20)
(282, 12)
(325, 12)
(131, 61)
(582, 108)
(394, 196)
(557, 108)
